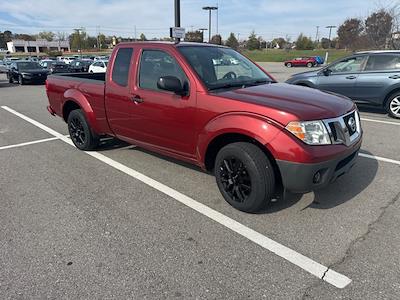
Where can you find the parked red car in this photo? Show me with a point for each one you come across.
(235, 120)
(301, 62)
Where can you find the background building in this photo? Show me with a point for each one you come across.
(37, 46)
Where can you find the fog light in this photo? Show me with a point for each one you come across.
(317, 177)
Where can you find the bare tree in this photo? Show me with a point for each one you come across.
(349, 33)
(61, 36)
(378, 28)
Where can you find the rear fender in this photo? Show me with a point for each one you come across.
(80, 99)
(252, 125)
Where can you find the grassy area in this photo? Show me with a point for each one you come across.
(277, 55)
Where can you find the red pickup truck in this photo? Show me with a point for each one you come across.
(235, 120)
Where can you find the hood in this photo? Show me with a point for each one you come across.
(291, 102)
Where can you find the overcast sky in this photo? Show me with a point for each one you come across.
(269, 18)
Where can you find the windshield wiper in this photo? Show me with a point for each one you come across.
(243, 84)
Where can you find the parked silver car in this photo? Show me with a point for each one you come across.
(371, 77)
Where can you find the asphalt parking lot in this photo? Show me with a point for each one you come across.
(126, 223)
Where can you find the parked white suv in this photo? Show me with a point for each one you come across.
(99, 66)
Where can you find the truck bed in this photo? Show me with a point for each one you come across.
(79, 76)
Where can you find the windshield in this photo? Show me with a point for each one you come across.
(221, 68)
(28, 65)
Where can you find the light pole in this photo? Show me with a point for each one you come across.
(317, 35)
(78, 31)
(330, 32)
(209, 8)
(177, 15)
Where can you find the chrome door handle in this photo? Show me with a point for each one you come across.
(351, 77)
(137, 99)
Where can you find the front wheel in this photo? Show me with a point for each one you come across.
(80, 132)
(289, 65)
(393, 106)
(244, 176)
(309, 65)
(10, 79)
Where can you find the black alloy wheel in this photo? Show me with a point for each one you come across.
(235, 179)
(80, 132)
(77, 132)
(245, 176)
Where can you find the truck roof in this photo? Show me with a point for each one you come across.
(180, 44)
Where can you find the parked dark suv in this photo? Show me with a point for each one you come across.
(366, 77)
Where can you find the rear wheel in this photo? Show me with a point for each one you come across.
(309, 65)
(80, 132)
(244, 176)
(393, 106)
(289, 65)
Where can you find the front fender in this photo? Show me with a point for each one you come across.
(252, 125)
(80, 99)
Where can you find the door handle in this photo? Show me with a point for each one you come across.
(137, 99)
(394, 77)
(351, 77)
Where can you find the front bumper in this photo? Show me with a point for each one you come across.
(302, 177)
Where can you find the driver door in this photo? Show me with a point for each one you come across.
(341, 77)
(160, 118)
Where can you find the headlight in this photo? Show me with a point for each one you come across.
(26, 75)
(310, 132)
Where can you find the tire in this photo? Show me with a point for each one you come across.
(244, 176)
(393, 106)
(21, 80)
(80, 132)
(289, 65)
(10, 79)
(309, 65)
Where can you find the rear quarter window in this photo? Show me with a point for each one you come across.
(121, 66)
(383, 62)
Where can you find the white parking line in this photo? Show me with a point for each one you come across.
(392, 161)
(336, 279)
(28, 143)
(379, 121)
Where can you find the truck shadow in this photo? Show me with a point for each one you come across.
(344, 189)
(108, 143)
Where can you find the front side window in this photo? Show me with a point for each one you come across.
(383, 63)
(155, 64)
(221, 68)
(348, 65)
(121, 66)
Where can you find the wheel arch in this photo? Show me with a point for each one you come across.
(74, 99)
(390, 94)
(220, 141)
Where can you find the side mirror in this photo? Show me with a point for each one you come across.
(327, 72)
(172, 84)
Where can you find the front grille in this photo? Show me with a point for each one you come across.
(345, 129)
